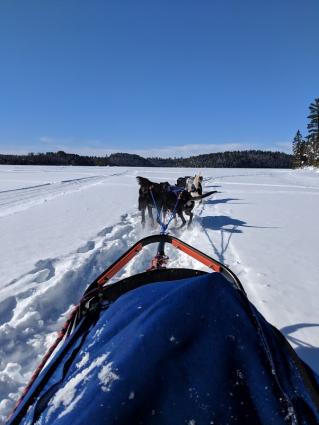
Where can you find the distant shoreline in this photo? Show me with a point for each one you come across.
(228, 159)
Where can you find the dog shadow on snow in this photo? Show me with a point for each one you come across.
(307, 352)
(224, 201)
(227, 226)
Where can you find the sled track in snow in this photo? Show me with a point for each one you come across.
(20, 199)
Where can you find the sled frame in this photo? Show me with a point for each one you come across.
(161, 239)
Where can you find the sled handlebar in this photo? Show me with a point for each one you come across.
(161, 239)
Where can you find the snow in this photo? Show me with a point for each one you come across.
(131, 395)
(68, 396)
(61, 226)
(83, 361)
(107, 376)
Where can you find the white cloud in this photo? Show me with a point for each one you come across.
(167, 151)
(96, 148)
(190, 149)
(284, 147)
(179, 151)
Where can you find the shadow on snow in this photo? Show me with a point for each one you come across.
(226, 225)
(220, 201)
(219, 222)
(306, 351)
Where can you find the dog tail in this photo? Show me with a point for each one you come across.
(142, 181)
(204, 195)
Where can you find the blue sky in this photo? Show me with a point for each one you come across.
(167, 77)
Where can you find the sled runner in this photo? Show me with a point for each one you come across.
(169, 346)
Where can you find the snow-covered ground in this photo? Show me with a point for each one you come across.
(61, 226)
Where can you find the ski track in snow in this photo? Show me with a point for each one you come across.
(31, 196)
(35, 305)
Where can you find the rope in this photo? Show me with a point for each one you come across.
(164, 226)
(158, 212)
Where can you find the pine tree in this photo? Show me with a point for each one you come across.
(313, 137)
(311, 150)
(297, 145)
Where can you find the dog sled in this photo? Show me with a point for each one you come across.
(169, 346)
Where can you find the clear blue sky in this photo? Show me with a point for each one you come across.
(144, 75)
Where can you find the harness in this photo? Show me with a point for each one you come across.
(164, 226)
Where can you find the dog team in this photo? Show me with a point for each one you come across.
(179, 199)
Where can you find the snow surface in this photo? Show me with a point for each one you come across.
(61, 226)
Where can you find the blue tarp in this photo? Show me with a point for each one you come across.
(179, 352)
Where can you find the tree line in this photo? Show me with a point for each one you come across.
(233, 159)
(306, 150)
(229, 159)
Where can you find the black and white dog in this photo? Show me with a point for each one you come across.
(191, 184)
